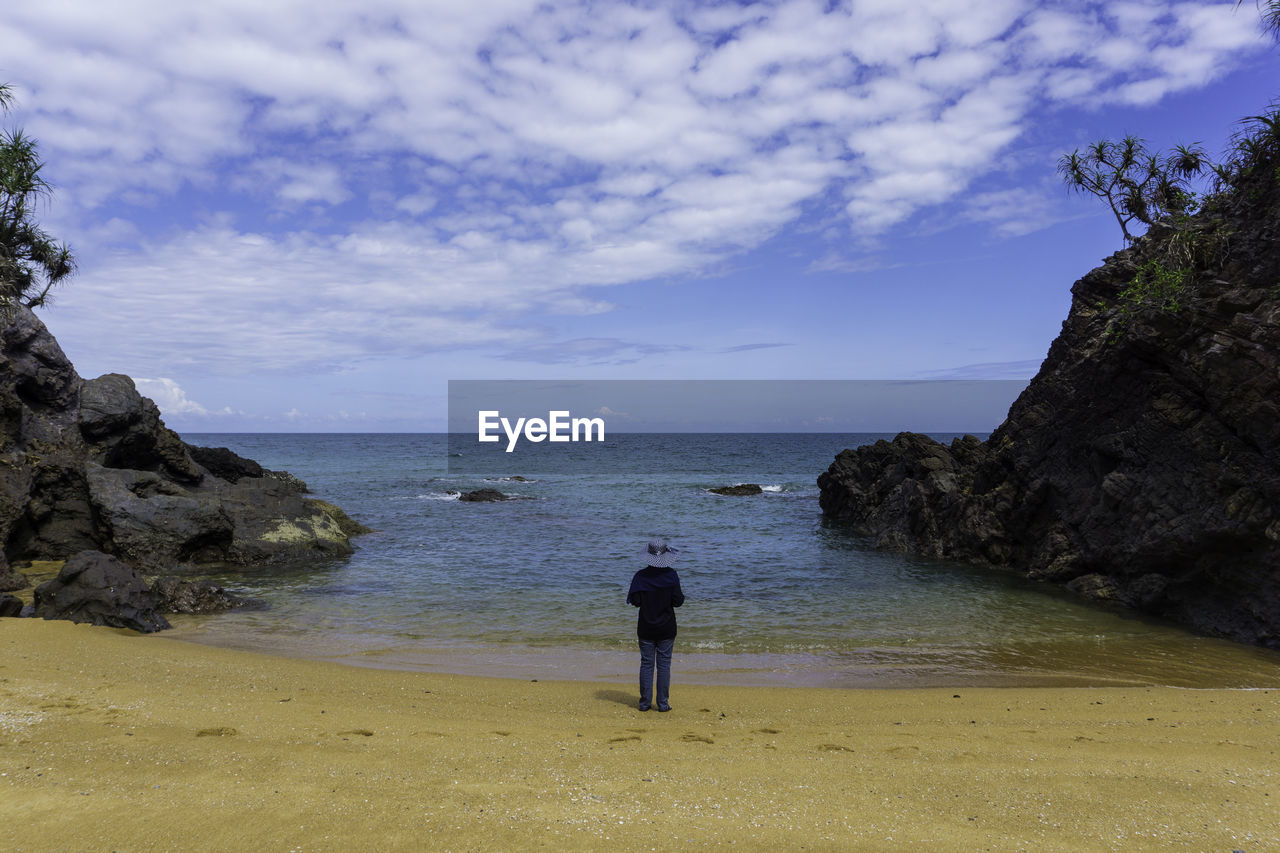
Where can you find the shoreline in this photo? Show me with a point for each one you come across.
(118, 740)
(782, 671)
(1213, 662)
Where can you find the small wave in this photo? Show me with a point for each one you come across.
(439, 496)
(772, 489)
(516, 479)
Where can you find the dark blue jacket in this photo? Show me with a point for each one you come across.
(656, 592)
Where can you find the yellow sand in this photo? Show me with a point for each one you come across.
(113, 741)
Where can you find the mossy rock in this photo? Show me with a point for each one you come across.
(346, 523)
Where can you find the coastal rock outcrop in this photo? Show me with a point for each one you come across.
(98, 588)
(739, 490)
(90, 465)
(1142, 463)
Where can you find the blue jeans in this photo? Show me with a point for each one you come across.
(658, 651)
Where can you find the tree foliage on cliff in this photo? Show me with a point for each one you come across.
(1135, 183)
(31, 262)
(1271, 17)
(1146, 187)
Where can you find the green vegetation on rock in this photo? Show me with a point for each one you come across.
(31, 262)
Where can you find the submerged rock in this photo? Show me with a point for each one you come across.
(1142, 463)
(738, 490)
(175, 595)
(99, 589)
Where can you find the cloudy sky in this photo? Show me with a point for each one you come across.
(311, 215)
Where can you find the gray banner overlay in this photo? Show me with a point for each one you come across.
(744, 405)
(558, 422)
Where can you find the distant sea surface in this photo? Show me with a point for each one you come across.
(776, 595)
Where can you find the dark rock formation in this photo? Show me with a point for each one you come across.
(10, 606)
(97, 588)
(175, 595)
(10, 579)
(90, 465)
(124, 431)
(484, 495)
(226, 464)
(1142, 463)
(738, 490)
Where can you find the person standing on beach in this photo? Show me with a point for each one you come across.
(655, 589)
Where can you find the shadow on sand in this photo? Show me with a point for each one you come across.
(620, 696)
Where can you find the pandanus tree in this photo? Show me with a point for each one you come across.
(1136, 184)
(31, 262)
(1271, 17)
(1148, 188)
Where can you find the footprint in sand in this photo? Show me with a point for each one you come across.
(768, 731)
(834, 747)
(361, 732)
(696, 738)
(220, 731)
(624, 738)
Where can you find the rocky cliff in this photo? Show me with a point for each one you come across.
(89, 465)
(1142, 463)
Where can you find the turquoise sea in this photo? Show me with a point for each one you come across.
(776, 595)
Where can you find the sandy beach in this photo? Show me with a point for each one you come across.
(110, 740)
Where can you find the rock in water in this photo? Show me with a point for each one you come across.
(97, 588)
(175, 595)
(1142, 463)
(484, 495)
(346, 523)
(741, 489)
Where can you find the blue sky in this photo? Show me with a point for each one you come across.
(310, 216)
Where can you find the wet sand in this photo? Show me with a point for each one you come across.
(109, 740)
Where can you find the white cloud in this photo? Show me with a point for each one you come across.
(171, 399)
(1013, 212)
(1024, 369)
(522, 153)
(608, 351)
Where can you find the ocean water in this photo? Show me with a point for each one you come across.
(536, 587)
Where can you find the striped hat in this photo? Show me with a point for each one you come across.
(659, 555)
